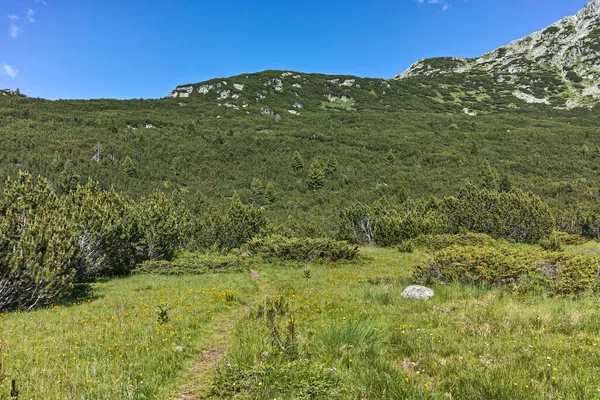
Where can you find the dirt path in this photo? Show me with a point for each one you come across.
(197, 379)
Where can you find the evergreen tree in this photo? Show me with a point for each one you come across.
(316, 177)
(68, 178)
(257, 191)
(489, 177)
(270, 194)
(128, 167)
(298, 162)
(332, 165)
(505, 184)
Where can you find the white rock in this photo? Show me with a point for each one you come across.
(417, 292)
(529, 98)
(238, 86)
(225, 94)
(204, 89)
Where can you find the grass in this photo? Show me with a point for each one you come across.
(114, 347)
(343, 332)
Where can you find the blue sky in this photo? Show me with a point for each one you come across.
(143, 49)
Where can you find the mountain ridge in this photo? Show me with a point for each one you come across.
(566, 52)
(558, 66)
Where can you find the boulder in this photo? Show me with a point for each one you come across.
(417, 292)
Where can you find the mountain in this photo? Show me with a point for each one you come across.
(558, 65)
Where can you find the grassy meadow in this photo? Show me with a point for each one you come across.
(305, 331)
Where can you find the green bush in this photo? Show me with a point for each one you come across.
(407, 246)
(301, 249)
(230, 229)
(388, 224)
(107, 230)
(186, 263)
(162, 225)
(551, 243)
(515, 215)
(38, 247)
(558, 273)
(439, 242)
(570, 239)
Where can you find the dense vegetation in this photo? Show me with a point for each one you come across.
(172, 188)
(308, 166)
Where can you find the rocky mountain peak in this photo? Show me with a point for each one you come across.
(564, 56)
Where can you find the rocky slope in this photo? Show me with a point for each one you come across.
(558, 65)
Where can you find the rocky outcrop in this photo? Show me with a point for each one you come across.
(567, 51)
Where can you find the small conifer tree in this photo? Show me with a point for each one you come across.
(298, 162)
(489, 177)
(271, 194)
(332, 165)
(257, 191)
(316, 177)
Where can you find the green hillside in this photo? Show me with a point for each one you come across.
(386, 138)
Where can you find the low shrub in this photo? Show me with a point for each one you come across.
(301, 249)
(515, 215)
(186, 263)
(558, 273)
(570, 239)
(407, 246)
(551, 243)
(439, 242)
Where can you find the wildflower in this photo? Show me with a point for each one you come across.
(530, 348)
(332, 369)
(265, 353)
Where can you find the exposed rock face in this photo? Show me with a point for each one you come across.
(567, 52)
(417, 292)
(10, 92)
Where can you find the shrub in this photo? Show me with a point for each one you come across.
(162, 226)
(186, 263)
(301, 249)
(551, 243)
(38, 248)
(106, 228)
(439, 242)
(515, 215)
(407, 246)
(387, 224)
(559, 273)
(228, 230)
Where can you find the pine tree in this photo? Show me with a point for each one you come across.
(68, 178)
(128, 167)
(489, 177)
(331, 166)
(390, 158)
(257, 191)
(316, 177)
(270, 194)
(298, 162)
(505, 184)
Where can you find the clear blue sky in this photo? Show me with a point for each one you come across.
(133, 48)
